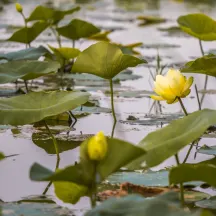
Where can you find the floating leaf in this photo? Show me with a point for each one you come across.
(176, 135)
(134, 205)
(207, 204)
(28, 34)
(198, 25)
(204, 65)
(35, 106)
(26, 70)
(31, 53)
(104, 60)
(208, 150)
(42, 209)
(149, 20)
(81, 173)
(50, 14)
(69, 192)
(148, 178)
(203, 171)
(78, 29)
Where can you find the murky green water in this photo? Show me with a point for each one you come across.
(108, 14)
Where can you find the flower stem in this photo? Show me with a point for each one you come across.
(206, 77)
(93, 189)
(54, 142)
(188, 153)
(201, 48)
(182, 106)
(181, 184)
(113, 108)
(197, 95)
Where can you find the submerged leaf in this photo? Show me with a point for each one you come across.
(198, 25)
(35, 106)
(104, 60)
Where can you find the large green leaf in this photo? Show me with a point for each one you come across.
(50, 14)
(104, 60)
(78, 29)
(82, 173)
(70, 192)
(35, 106)
(25, 54)
(26, 70)
(203, 171)
(204, 65)
(198, 25)
(28, 34)
(1, 156)
(166, 142)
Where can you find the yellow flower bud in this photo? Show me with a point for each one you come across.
(172, 86)
(19, 7)
(97, 147)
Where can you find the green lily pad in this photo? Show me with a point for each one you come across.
(207, 204)
(194, 196)
(203, 65)
(28, 34)
(31, 53)
(209, 150)
(173, 31)
(109, 62)
(148, 178)
(33, 209)
(135, 94)
(176, 135)
(78, 29)
(26, 70)
(198, 25)
(35, 106)
(203, 171)
(50, 14)
(44, 141)
(37, 199)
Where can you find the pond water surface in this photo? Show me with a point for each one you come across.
(120, 15)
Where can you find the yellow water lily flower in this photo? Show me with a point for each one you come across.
(172, 86)
(97, 147)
